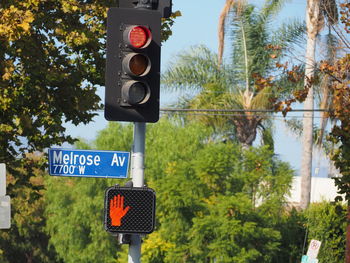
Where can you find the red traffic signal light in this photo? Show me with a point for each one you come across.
(137, 36)
(130, 210)
(133, 65)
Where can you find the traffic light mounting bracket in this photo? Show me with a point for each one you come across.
(163, 6)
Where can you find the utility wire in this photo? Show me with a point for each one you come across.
(238, 110)
(235, 115)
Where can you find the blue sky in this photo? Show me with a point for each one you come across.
(198, 25)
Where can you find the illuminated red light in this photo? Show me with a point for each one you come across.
(139, 37)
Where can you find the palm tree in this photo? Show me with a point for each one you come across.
(232, 85)
(314, 24)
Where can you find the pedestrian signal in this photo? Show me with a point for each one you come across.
(129, 210)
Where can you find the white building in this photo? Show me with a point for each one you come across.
(322, 189)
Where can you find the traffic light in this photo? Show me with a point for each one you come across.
(133, 65)
(130, 210)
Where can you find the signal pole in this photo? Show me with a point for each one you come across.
(137, 173)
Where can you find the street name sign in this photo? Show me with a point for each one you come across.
(88, 163)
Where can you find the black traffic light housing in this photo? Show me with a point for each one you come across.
(130, 210)
(133, 65)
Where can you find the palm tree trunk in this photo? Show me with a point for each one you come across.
(312, 25)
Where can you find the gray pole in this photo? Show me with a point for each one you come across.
(137, 173)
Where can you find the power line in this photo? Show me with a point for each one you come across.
(236, 112)
(237, 115)
(239, 110)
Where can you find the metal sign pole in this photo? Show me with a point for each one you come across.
(137, 173)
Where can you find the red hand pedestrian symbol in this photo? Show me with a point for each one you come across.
(116, 210)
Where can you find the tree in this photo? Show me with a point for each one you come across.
(27, 241)
(314, 23)
(339, 135)
(327, 222)
(50, 56)
(339, 111)
(241, 84)
(238, 224)
(51, 64)
(52, 61)
(202, 197)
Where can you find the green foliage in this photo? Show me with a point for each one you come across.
(51, 56)
(238, 224)
(74, 220)
(220, 203)
(327, 222)
(197, 191)
(167, 23)
(231, 231)
(26, 240)
(291, 225)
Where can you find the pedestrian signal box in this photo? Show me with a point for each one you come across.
(130, 210)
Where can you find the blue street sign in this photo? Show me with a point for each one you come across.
(88, 163)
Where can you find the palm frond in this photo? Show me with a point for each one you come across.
(262, 99)
(330, 11)
(295, 126)
(193, 69)
(290, 32)
(272, 7)
(267, 135)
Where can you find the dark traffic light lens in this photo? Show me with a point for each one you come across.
(136, 64)
(135, 92)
